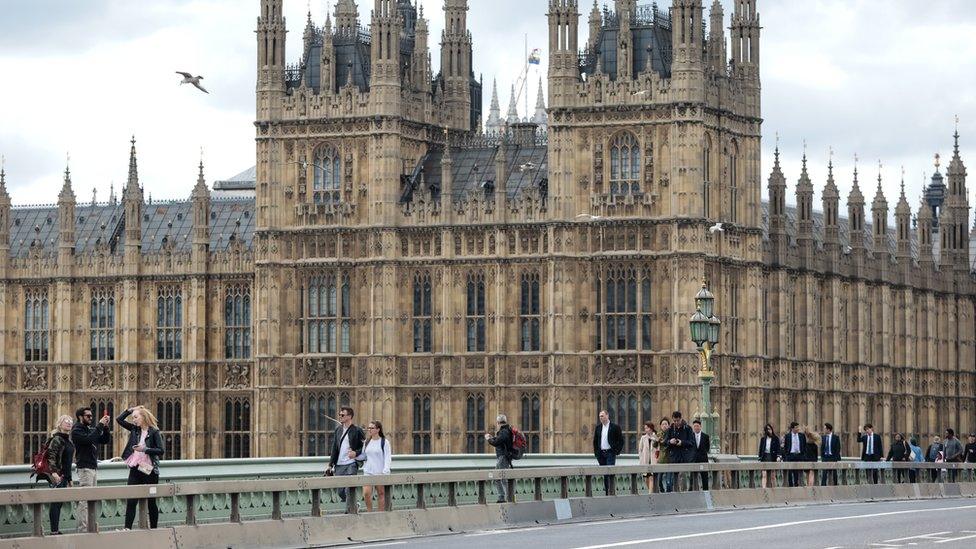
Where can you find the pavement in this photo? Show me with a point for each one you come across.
(944, 523)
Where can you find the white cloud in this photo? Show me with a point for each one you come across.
(880, 79)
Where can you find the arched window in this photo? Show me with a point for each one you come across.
(733, 181)
(476, 313)
(421, 424)
(327, 183)
(422, 314)
(169, 323)
(625, 164)
(315, 411)
(102, 335)
(237, 427)
(36, 330)
(327, 318)
(532, 422)
(36, 427)
(706, 174)
(628, 412)
(474, 420)
(100, 408)
(530, 312)
(169, 413)
(237, 321)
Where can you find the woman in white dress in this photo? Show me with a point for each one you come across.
(379, 456)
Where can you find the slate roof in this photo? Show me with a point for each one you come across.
(103, 223)
(651, 34)
(526, 165)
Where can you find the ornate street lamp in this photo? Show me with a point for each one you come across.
(705, 331)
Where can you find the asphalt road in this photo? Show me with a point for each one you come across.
(948, 523)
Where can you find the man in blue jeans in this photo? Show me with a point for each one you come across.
(608, 442)
(347, 444)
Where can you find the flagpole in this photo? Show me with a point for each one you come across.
(525, 85)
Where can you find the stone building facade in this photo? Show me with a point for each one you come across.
(396, 258)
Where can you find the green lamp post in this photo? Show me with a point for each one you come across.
(705, 330)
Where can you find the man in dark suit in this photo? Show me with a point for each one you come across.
(794, 448)
(829, 453)
(871, 448)
(608, 442)
(700, 450)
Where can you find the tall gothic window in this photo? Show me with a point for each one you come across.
(317, 428)
(706, 174)
(237, 427)
(621, 324)
(625, 162)
(476, 313)
(169, 413)
(327, 186)
(474, 423)
(36, 427)
(100, 408)
(529, 312)
(169, 323)
(422, 310)
(532, 421)
(733, 314)
(421, 424)
(733, 182)
(237, 321)
(627, 411)
(102, 324)
(36, 328)
(327, 314)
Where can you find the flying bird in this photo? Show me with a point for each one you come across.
(190, 79)
(716, 228)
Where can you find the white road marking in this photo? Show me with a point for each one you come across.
(512, 531)
(956, 539)
(772, 526)
(914, 537)
(612, 521)
(385, 544)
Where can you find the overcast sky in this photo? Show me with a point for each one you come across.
(879, 79)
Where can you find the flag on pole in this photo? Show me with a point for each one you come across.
(535, 58)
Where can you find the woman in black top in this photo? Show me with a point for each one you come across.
(60, 454)
(141, 454)
(811, 454)
(899, 451)
(768, 452)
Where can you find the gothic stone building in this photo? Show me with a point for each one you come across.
(395, 257)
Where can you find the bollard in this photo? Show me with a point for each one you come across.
(421, 504)
(38, 519)
(144, 514)
(92, 517)
(564, 487)
(451, 494)
(191, 510)
(275, 505)
(352, 506)
(316, 503)
(388, 500)
(588, 484)
(482, 496)
(538, 488)
(511, 490)
(633, 484)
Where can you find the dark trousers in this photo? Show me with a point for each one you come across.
(900, 475)
(138, 477)
(934, 475)
(832, 475)
(351, 469)
(872, 474)
(54, 510)
(704, 480)
(607, 457)
(913, 475)
(793, 476)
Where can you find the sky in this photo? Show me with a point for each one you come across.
(882, 80)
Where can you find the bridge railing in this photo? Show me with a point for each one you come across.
(234, 501)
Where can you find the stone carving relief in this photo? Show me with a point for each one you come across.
(100, 377)
(34, 378)
(169, 376)
(237, 376)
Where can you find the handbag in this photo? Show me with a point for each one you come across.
(146, 467)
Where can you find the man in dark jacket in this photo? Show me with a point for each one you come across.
(700, 450)
(87, 435)
(608, 442)
(502, 441)
(794, 449)
(970, 451)
(953, 452)
(347, 445)
(830, 452)
(872, 449)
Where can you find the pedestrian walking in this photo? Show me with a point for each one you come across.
(608, 442)
(811, 453)
(935, 453)
(872, 449)
(347, 445)
(666, 479)
(769, 452)
(794, 451)
(647, 452)
(141, 454)
(680, 443)
(60, 451)
(378, 455)
(899, 452)
(917, 456)
(830, 452)
(953, 452)
(700, 451)
(502, 441)
(87, 435)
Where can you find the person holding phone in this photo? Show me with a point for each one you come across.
(141, 454)
(87, 435)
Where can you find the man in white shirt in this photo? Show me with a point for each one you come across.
(347, 444)
(702, 442)
(608, 442)
(829, 453)
(794, 448)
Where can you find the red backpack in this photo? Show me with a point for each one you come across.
(518, 444)
(39, 464)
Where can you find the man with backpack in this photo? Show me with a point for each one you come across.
(503, 441)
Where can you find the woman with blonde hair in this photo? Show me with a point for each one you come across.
(141, 454)
(647, 452)
(811, 454)
(60, 453)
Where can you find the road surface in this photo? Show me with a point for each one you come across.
(945, 523)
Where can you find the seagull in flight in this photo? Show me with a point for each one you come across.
(716, 228)
(190, 79)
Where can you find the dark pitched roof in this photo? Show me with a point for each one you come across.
(526, 166)
(651, 35)
(98, 224)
